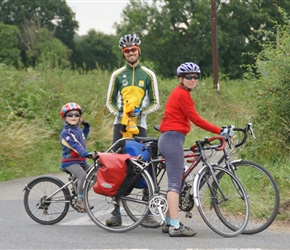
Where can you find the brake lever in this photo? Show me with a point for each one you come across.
(252, 133)
(229, 142)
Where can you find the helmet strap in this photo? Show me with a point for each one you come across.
(182, 86)
(187, 89)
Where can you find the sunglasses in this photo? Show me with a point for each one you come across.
(73, 115)
(188, 77)
(127, 51)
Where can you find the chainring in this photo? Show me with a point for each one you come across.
(158, 204)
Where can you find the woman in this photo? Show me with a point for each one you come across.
(175, 124)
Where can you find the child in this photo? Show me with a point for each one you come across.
(74, 153)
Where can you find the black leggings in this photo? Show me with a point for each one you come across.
(117, 134)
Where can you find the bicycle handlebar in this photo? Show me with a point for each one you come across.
(202, 145)
(245, 131)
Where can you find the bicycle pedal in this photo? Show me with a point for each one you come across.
(188, 215)
(81, 211)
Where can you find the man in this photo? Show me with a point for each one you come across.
(136, 85)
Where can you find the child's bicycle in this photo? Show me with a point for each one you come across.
(219, 196)
(47, 199)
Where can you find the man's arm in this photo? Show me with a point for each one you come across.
(113, 92)
(153, 93)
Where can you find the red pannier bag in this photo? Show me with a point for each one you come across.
(111, 173)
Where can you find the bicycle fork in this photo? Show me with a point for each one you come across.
(215, 180)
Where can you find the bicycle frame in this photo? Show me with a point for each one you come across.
(64, 186)
(55, 192)
(197, 158)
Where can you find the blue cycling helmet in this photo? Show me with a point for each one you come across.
(188, 68)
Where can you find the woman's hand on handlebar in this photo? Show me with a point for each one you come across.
(227, 132)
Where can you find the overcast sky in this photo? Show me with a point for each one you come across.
(97, 14)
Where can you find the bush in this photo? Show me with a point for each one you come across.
(273, 102)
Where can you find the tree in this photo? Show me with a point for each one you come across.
(273, 94)
(51, 50)
(238, 23)
(174, 31)
(167, 34)
(95, 49)
(17, 11)
(9, 52)
(31, 15)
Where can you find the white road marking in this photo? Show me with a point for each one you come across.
(85, 220)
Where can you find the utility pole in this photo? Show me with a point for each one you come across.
(215, 65)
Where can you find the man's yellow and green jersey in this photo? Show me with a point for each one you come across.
(136, 85)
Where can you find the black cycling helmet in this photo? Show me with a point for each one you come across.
(188, 68)
(129, 40)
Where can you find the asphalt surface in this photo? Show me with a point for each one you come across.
(76, 231)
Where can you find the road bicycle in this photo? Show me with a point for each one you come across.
(221, 201)
(260, 185)
(47, 199)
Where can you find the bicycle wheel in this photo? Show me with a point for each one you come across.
(162, 191)
(45, 201)
(262, 192)
(136, 207)
(223, 205)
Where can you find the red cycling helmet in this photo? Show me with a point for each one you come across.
(69, 107)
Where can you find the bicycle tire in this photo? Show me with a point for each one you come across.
(162, 191)
(104, 205)
(226, 217)
(263, 194)
(39, 208)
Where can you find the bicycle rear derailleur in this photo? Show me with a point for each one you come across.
(186, 201)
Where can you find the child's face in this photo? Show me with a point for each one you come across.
(73, 117)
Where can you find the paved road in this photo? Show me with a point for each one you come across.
(76, 231)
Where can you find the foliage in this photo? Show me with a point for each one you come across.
(30, 16)
(238, 22)
(48, 49)
(30, 99)
(95, 50)
(33, 99)
(273, 91)
(30, 124)
(174, 31)
(16, 12)
(171, 32)
(9, 52)
(17, 148)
